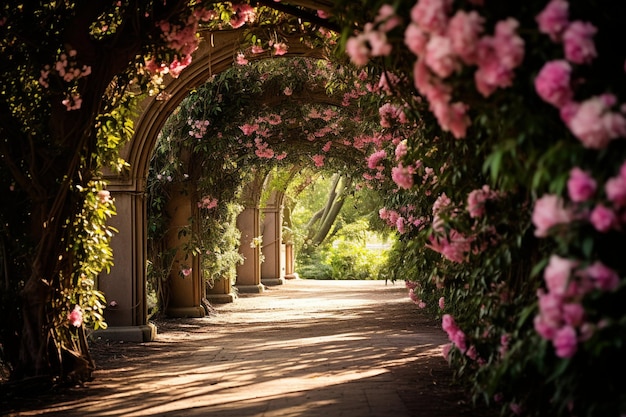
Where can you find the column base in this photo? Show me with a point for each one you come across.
(250, 289)
(221, 298)
(186, 312)
(139, 334)
(273, 281)
(292, 276)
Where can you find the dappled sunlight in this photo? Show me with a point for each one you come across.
(288, 352)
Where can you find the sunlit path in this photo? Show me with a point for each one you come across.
(307, 348)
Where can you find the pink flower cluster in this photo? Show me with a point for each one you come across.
(375, 159)
(68, 70)
(198, 128)
(390, 113)
(593, 121)
(401, 219)
(75, 317)
(455, 334)
(207, 202)
(562, 318)
(444, 43)
(476, 201)
(242, 13)
(373, 40)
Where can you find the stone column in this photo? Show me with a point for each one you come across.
(273, 266)
(185, 277)
(249, 273)
(290, 270)
(124, 286)
(221, 292)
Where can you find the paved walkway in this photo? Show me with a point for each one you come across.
(306, 348)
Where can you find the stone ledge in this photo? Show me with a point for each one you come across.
(139, 334)
(221, 298)
(250, 289)
(273, 281)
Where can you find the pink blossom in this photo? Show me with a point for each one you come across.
(442, 303)
(549, 211)
(445, 350)
(357, 50)
(440, 56)
(448, 324)
(374, 159)
(186, 271)
(318, 160)
(379, 45)
(603, 277)
(459, 340)
(104, 197)
(323, 14)
(545, 330)
(387, 18)
(553, 83)
(415, 39)
(452, 118)
(243, 13)
(464, 32)
(476, 201)
(431, 15)
(280, 48)
(75, 317)
(595, 125)
(402, 176)
(602, 218)
(557, 274)
(401, 150)
(553, 19)
(573, 314)
(472, 353)
(257, 49)
(578, 42)
(565, 342)
(287, 91)
(615, 189)
(580, 185)
(241, 59)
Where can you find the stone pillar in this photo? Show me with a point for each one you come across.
(124, 286)
(273, 266)
(185, 277)
(290, 267)
(249, 273)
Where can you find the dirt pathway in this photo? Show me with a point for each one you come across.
(306, 348)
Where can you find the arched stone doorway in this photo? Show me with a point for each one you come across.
(125, 285)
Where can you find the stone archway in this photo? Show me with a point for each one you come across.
(125, 285)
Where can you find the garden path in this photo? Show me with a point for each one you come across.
(306, 348)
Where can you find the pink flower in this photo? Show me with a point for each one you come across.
(402, 176)
(379, 45)
(75, 317)
(280, 48)
(557, 274)
(550, 211)
(186, 271)
(415, 39)
(318, 160)
(580, 185)
(374, 159)
(287, 91)
(459, 340)
(401, 150)
(472, 353)
(578, 42)
(595, 125)
(565, 342)
(553, 19)
(358, 50)
(545, 330)
(553, 83)
(440, 56)
(257, 49)
(603, 277)
(104, 196)
(445, 350)
(431, 15)
(464, 32)
(476, 201)
(442, 303)
(573, 314)
(241, 59)
(602, 218)
(615, 189)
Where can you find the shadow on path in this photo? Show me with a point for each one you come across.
(307, 348)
